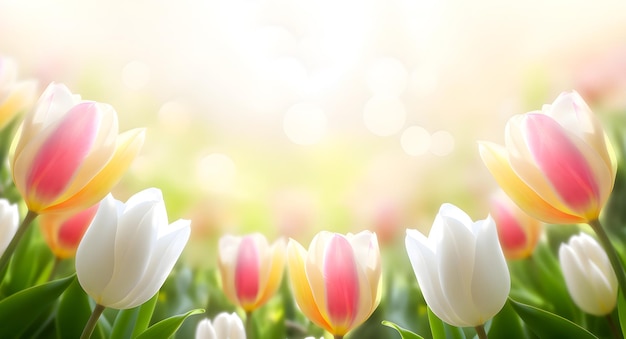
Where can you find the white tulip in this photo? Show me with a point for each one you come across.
(9, 220)
(224, 326)
(589, 277)
(129, 250)
(460, 267)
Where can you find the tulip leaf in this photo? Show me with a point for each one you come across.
(404, 333)
(166, 328)
(506, 324)
(131, 322)
(19, 310)
(549, 325)
(73, 312)
(441, 330)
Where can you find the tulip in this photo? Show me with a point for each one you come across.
(9, 219)
(517, 231)
(15, 97)
(251, 270)
(63, 231)
(224, 326)
(589, 277)
(68, 154)
(127, 252)
(460, 268)
(557, 164)
(337, 282)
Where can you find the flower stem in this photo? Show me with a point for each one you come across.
(93, 320)
(480, 331)
(21, 230)
(250, 334)
(614, 330)
(338, 337)
(614, 258)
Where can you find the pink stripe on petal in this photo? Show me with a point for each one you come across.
(247, 271)
(561, 162)
(62, 154)
(342, 282)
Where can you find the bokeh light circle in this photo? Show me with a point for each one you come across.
(415, 140)
(305, 124)
(384, 116)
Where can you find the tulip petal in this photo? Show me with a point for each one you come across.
(21, 96)
(496, 160)
(365, 245)
(128, 146)
(342, 282)
(578, 288)
(560, 160)
(272, 279)
(168, 248)
(423, 261)
(247, 273)
(227, 261)
(456, 268)
(94, 270)
(205, 330)
(489, 294)
(296, 261)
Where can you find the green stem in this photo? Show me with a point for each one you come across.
(480, 331)
(55, 268)
(614, 258)
(249, 326)
(21, 230)
(613, 327)
(93, 320)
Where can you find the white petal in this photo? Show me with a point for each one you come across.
(204, 330)
(491, 282)
(94, 256)
(162, 259)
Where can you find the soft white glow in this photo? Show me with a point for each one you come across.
(290, 72)
(384, 116)
(424, 80)
(305, 124)
(216, 172)
(442, 143)
(174, 116)
(415, 140)
(387, 77)
(136, 75)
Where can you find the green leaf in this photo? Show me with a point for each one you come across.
(145, 314)
(166, 328)
(404, 333)
(73, 313)
(19, 310)
(547, 325)
(131, 322)
(507, 324)
(442, 330)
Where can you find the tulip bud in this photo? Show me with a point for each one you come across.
(460, 267)
(337, 282)
(517, 231)
(68, 154)
(589, 276)
(224, 326)
(63, 231)
(558, 164)
(251, 270)
(129, 250)
(9, 220)
(15, 97)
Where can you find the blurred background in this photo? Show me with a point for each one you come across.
(291, 116)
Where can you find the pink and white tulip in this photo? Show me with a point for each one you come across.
(557, 164)
(337, 282)
(251, 269)
(64, 231)
(68, 154)
(518, 232)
